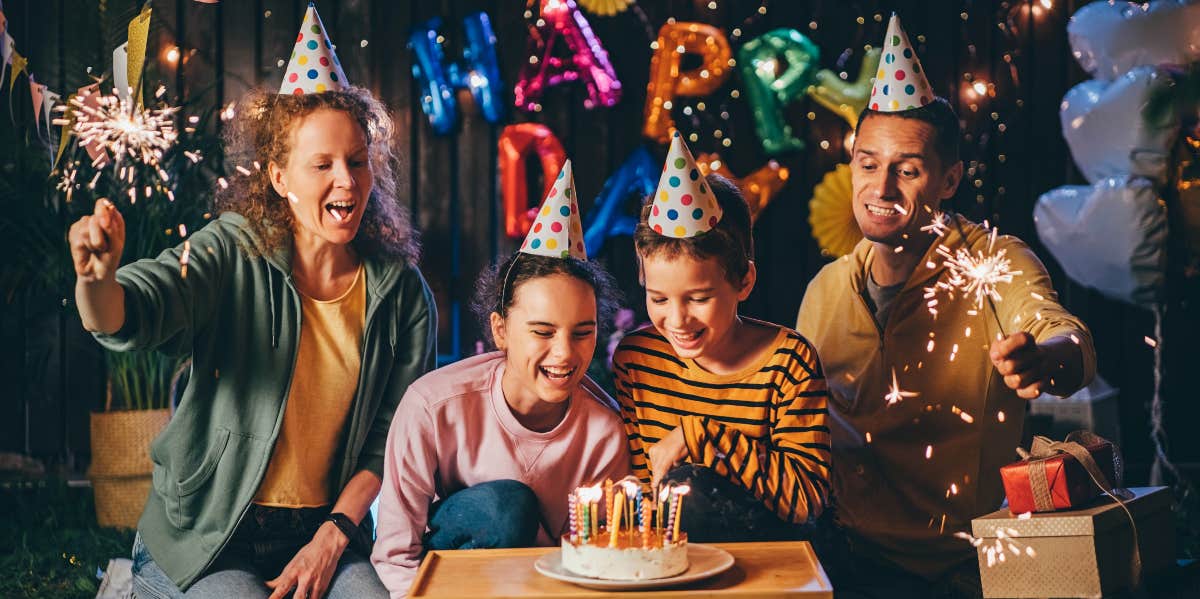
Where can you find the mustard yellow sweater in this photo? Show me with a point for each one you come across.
(886, 490)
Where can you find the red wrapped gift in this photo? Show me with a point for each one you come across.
(1056, 475)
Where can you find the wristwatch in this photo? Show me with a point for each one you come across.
(344, 524)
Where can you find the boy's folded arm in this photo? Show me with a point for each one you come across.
(789, 470)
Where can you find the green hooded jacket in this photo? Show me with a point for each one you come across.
(239, 318)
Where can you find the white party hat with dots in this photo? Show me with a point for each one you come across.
(684, 205)
(900, 83)
(557, 231)
(314, 67)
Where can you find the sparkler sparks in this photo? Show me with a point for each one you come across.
(1005, 542)
(976, 275)
(939, 225)
(895, 395)
(121, 128)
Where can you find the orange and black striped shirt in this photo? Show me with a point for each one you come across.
(764, 427)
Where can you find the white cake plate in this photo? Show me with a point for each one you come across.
(703, 561)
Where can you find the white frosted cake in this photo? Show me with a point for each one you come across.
(631, 559)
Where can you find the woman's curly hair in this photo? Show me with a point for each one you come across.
(497, 287)
(263, 133)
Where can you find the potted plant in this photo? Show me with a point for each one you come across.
(160, 203)
(139, 385)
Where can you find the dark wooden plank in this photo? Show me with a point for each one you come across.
(435, 192)
(280, 20)
(353, 28)
(475, 157)
(512, 36)
(201, 34)
(239, 66)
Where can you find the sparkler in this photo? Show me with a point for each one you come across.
(896, 395)
(975, 276)
(121, 128)
(939, 225)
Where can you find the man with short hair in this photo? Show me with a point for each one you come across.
(927, 379)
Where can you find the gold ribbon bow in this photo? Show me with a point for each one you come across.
(1043, 449)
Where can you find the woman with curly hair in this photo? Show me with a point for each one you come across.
(483, 453)
(306, 320)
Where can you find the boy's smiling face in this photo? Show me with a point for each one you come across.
(694, 305)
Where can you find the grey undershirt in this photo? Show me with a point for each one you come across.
(879, 299)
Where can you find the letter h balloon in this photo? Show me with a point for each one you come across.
(478, 72)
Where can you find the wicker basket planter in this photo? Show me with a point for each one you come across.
(121, 466)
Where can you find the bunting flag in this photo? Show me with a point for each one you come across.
(37, 92)
(8, 47)
(139, 32)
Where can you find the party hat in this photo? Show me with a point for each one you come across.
(314, 67)
(900, 83)
(684, 204)
(557, 231)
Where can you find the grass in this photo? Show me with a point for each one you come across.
(56, 545)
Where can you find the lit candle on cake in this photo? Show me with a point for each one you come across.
(660, 500)
(677, 501)
(590, 496)
(615, 531)
(645, 524)
(583, 516)
(608, 503)
(633, 503)
(572, 508)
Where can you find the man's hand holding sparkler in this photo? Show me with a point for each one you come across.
(97, 241)
(1031, 368)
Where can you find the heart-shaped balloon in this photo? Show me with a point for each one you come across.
(1111, 38)
(1107, 132)
(1110, 236)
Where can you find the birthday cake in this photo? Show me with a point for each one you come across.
(633, 544)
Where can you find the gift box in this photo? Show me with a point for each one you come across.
(1059, 475)
(1078, 553)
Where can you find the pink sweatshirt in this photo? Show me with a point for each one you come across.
(454, 430)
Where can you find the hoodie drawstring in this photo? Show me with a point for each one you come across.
(274, 315)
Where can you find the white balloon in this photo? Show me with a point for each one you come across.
(1109, 39)
(1110, 236)
(1107, 133)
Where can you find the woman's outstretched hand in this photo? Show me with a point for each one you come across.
(97, 241)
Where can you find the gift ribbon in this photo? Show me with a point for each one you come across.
(1043, 449)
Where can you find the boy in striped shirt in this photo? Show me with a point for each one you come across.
(732, 406)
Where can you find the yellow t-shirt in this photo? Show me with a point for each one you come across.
(323, 385)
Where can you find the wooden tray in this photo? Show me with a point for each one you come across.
(777, 569)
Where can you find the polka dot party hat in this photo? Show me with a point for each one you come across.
(900, 83)
(314, 67)
(557, 231)
(684, 205)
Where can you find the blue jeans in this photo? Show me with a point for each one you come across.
(491, 515)
(264, 542)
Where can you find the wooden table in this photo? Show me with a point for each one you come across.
(783, 569)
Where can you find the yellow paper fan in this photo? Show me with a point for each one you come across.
(831, 213)
(605, 8)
